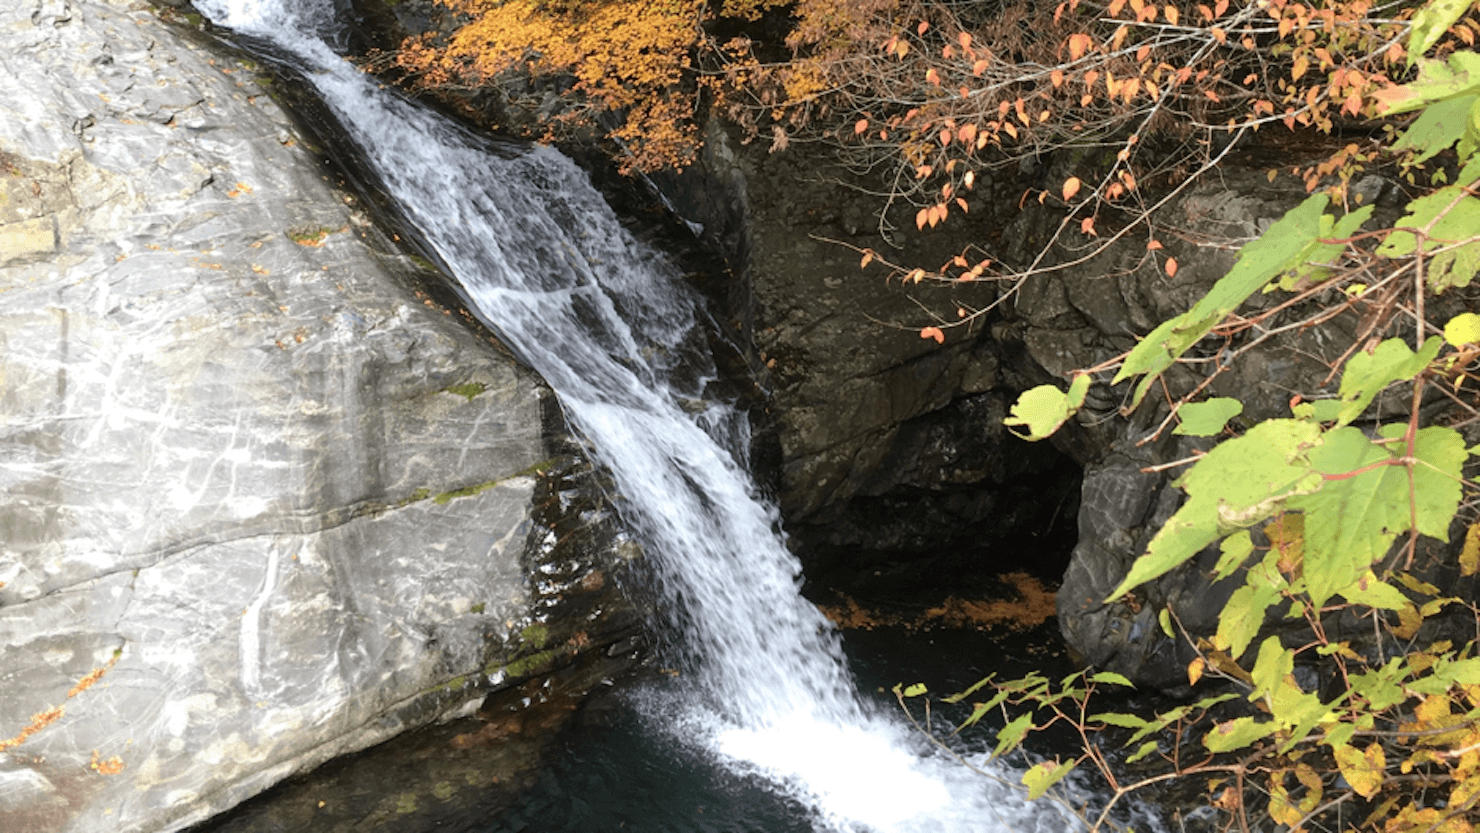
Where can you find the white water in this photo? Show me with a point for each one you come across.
(613, 329)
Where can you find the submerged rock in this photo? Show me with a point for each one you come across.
(264, 503)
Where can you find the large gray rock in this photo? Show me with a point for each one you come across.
(261, 505)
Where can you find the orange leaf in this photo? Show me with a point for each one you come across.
(945, 137)
(1071, 187)
(979, 67)
(1171, 267)
(935, 333)
(967, 134)
(1087, 226)
(961, 203)
(964, 38)
(932, 76)
(868, 257)
(1079, 43)
(921, 218)
(860, 126)
(1152, 245)
(1171, 13)
(1056, 78)
(923, 27)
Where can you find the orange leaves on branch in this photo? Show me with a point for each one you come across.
(1171, 267)
(1071, 187)
(933, 332)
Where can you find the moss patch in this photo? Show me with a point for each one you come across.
(419, 494)
(406, 803)
(536, 635)
(468, 390)
(478, 608)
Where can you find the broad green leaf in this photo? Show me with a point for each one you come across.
(1318, 410)
(1312, 266)
(1440, 453)
(1462, 329)
(1243, 614)
(1429, 24)
(1204, 419)
(1240, 482)
(1352, 519)
(1013, 733)
(1437, 128)
(1367, 374)
(1449, 219)
(1237, 733)
(915, 690)
(1364, 769)
(1235, 549)
(1459, 75)
(1044, 408)
(1284, 245)
(1372, 592)
(1274, 662)
(1039, 778)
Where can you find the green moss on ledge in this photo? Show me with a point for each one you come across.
(468, 390)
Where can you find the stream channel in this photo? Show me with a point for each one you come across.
(762, 728)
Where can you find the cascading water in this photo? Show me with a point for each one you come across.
(612, 328)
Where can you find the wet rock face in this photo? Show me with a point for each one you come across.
(262, 504)
(891, 464)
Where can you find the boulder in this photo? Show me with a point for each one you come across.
(265, 503)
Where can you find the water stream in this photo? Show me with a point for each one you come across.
(609, 323)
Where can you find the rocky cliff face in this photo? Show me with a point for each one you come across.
(264, 503)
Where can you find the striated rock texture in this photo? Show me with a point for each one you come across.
(262, 505)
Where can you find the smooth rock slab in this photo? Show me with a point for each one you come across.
(227, 458)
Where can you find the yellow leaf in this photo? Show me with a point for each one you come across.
(1195, 670)
(1071, 187)
(1469, 557)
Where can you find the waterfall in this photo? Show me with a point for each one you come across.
(617, 334)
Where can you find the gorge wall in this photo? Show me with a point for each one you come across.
(265, 501)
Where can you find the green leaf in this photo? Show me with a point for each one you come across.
(1271, 666)
(915, 690)
(1437, 128)
(1459, 75)
(1237, 733)
(975, 687)
(1367, 374)
(1235, 549)
(1044, 408)
(1239, 483)
(1204, 419)
(1111, 678)
(1429, 24)
(1285, 245)
(1012, 734)
(1462, 329)
(1121, 719)
(1370, 591)
(1352, 519)
(1145, 749)
(1440, 453)
(1164, 618)
(1319, 410)
(1243, 614)
(1039, 778)
(1450, 222)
